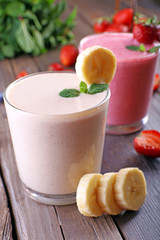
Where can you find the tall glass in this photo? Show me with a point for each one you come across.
(132, 85)
(54, 151)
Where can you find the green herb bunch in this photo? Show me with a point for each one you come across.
(33, 26)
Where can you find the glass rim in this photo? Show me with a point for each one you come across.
(93, 35)
(74, 114)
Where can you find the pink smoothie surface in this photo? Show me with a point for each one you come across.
(131, 87)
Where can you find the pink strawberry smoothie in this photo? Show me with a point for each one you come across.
(56, 140)
(131, 87)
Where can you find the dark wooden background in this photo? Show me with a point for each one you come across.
(21, 218)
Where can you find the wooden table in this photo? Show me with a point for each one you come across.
(24, 219)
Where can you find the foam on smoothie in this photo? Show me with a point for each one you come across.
(40, 94)
(118, 46)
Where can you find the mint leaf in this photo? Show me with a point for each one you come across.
(153, 49)
(68, 93)
(133, 47)
(15, 9)
(8, 51)
(97, 88)
(93, 89)
(136, 48)
(24, 38)
(142, 48)
(34, 26)
(83, 87)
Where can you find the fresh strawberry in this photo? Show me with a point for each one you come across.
(55, 67)
(145, 30)
(100, 25)
(148, 143)
(68, 55)
(156, 82)
(21, 74)
(144, 33)
(124, 16)
(115, 27)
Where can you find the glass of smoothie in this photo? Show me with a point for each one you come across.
(56, 140)
(132, 85)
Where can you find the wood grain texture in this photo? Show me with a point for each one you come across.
(5, 217)
(76, 226)
(37, 221)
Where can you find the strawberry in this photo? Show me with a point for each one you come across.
(124, 16)
(100, 25)
(55, 67)
(148, 143)
(21, 74)
(68, 55)
(156, 82)
(114, 27)
(144, 33)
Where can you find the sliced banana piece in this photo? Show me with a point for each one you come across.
(96, 64)
(106, 197)
(130, 188)
(87, 195)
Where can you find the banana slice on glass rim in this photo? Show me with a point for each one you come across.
(96, 64)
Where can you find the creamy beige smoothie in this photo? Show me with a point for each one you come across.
(56, 140)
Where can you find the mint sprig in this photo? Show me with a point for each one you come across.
(97, 88)
(93, 89)
(34, 26)
(142, 48)
(68, 93)
(153, 49)
(83, 87)
(133, 47)
(136, 48)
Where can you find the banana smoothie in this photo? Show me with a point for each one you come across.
(56, 140)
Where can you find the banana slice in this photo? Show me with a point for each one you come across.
(130, 188)
(106, 197)
(96, 65)
(87, 195)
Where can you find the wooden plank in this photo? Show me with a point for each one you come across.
(92, 9)
(25, 63)
(5, 217)
(6, 74)
(45, 60)
(76, 226)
